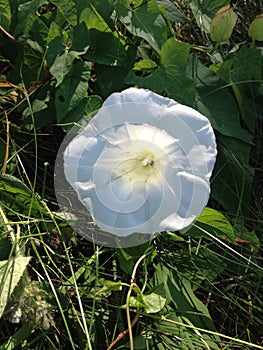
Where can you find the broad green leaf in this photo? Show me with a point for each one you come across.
(80, 40)
(173, 13)
(215, 223)
(93, 19)
(174, 335)
(87, 106)
(214, 101)
(248, 237)
(71, 92)
(53, 32)
(106, 49)
(58, 59)
(68, 9)
(10, 273)
(25, 12)
(203, 19)
(110, 79)
(5, 14)
(155, 299)
(144, 65)
(16, 197)
(182, 306)
(245, 76)
(42, 107)
(171, 77)
(139, 343)
(61, 55)
(152, 302)
(5, 243)
(232, 185)
(199, 266)
(127, 257)
(93, 104)
(143, 19)
(18, 338)
(205, 11)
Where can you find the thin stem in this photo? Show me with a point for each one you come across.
(7, 144)
(129, 295)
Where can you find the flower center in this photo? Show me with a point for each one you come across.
(141, 167)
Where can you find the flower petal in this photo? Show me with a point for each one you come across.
(141, 165)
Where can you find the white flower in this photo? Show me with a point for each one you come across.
(142, 164)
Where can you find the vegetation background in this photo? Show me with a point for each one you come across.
(201, 289)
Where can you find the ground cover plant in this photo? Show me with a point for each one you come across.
(199, 289)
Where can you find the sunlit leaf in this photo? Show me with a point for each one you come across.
(172, 11)
(68, 9)
(106, 49)
(143, 19)
(10, 274)
(26, 10)
(216, 224)
(15, 196)
(110, 286)
(182, 307)
(171, 77)
(215, 102)
(72, 90)
(5, 14)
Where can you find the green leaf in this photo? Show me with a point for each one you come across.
(106, 49)
(96, 15)
(5, 14)
(110, 286)
(57, 59)
(93, 104)
(42, 107)
(60, 56)
(18, 338)
(214, 101)
(232, 185)
(127, 257)
(171, 77)
(27, 11)
(155, 299)
(199, 265)
(16, 197)
(110, 79)
(85, 108)
(10, 273)
(5, 243)
(53, 32)
(68, 10)
(215, 223)
(80, 40)
(182, 306)
(143, 19)
(205, 11)
(144, 65)
(173, 13)
(71, 92)
(245, 76)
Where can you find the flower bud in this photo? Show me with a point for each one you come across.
(223, 24)
(255, 30)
